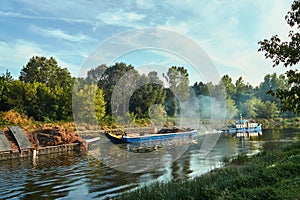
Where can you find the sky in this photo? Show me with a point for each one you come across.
(70, 31)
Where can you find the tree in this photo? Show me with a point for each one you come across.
(100, 105)
(256, 108)
(270, 84)
(43, 70)
(109, 78)
(5, 79)
(243, 92)
(178, 91)
(270, 111)
(178, 79)
(14, 96)
(150, 93)
(249, 108)
(287, 53)
(200, 89)
(229, 87)
(231, 110)
(88, 104)
(96, 74)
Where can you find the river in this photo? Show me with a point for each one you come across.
(81, 176)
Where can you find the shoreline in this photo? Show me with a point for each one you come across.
(266, 175)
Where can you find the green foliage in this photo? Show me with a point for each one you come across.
(287, 53)
(243, 92)
(150, 93)
(269, 86)
(107, 79)
(230, 89)
(44, 92)
(100, 105)
(200, 89)
(43, 70)
(231, 109)
(178, 91)
(250, 107)
(88, 104)
(37, 100)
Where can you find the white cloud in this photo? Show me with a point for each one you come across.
(145, 4)
(230, 36)
(38, 17)
(227, 30)
(121, 18)
(59, 34)
(18, 53)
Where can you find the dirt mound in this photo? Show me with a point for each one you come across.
(52, 136)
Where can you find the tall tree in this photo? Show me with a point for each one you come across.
(229, 87)
(43, 70)
(243, 92)
(108, 81)
(179, 90)
(287, 53)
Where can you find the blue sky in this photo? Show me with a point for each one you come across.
(228, 31)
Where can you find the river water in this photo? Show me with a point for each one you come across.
(81, 176)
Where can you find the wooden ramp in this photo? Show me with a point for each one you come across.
(4, 144)
(20, 137)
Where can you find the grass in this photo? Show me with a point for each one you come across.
(267, 175)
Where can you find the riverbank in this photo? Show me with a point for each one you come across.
(32, 140)
(267, 175)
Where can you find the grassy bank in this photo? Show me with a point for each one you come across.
(268, 175)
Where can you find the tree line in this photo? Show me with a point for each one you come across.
(44, 92)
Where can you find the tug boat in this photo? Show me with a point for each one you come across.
(243, 126)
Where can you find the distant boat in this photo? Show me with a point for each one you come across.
(243, 126)
(163, 134)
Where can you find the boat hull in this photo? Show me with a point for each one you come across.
(152, 137)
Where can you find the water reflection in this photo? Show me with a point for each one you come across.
(78, 176)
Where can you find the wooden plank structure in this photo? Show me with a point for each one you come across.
(19, 135)
(4, 144)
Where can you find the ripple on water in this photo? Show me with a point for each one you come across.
(75, 176)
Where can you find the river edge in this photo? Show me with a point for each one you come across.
(267, 175)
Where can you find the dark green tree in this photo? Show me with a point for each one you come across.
(5, 79)
(108, 80)
(200, 89)
(150, 93)
(287, 53)
(243, 92)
